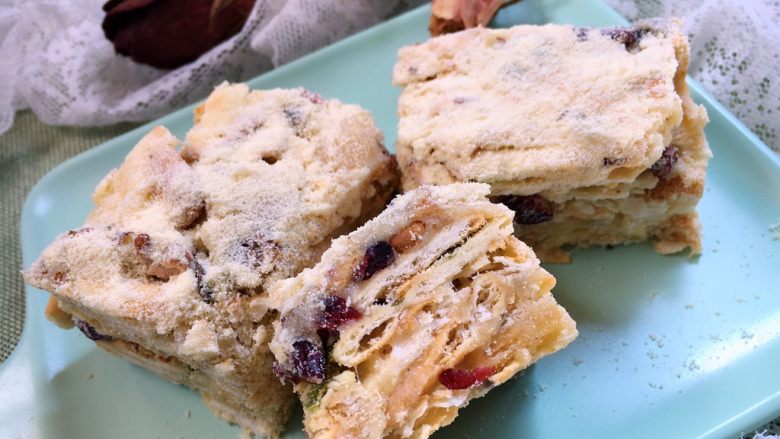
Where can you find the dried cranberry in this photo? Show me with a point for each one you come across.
(456, 379)
(90, 331)
(378, 256)
(529, 209)
(628, 36)
(663, 166)
(337, 312)
(308, 361)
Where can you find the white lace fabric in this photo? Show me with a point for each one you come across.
(55, 60)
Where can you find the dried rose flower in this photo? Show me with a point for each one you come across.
(170, 33)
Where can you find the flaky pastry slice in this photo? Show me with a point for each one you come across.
(172, 267)
(589, 134)
(404, 321)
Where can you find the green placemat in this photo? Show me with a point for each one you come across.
(29, 150)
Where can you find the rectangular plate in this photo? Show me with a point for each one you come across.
(668, 347)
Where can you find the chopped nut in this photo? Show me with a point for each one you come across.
(408, 237)
(166, 269)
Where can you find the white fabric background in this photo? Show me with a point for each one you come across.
(55, 60)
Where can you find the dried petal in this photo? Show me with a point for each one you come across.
(171, 33)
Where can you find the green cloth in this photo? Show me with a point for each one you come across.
(29, 150)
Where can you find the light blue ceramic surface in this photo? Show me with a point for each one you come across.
(668, 347)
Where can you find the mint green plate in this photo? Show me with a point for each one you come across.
(668, 347)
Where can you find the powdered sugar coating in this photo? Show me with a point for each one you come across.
(537, 107)
(576, 117)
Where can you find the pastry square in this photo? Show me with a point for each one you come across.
(172, 268)
(405, 320)
(590, 135)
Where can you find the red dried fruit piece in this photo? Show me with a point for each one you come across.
(171, 33)
(663, 166)
(337, 312)
(91, 332)
(456, 379)
(529, 209)
(378, 256)
(308, 361)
